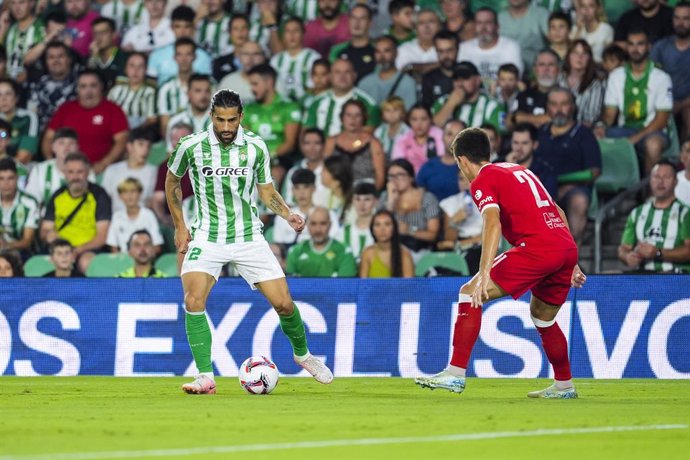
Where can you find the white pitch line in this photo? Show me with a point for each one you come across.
(338, 443)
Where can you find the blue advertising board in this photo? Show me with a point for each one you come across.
(618, 326)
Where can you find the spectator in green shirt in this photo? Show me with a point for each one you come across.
(321, 256)
(274, 118)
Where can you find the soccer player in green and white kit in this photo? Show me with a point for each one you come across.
(225, 164)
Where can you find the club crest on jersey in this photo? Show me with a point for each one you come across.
(208, 171)
(478, 195)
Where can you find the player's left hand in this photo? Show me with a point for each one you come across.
(481, 291)
(296, 222)
(578, 279)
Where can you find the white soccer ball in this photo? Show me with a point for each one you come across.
(258, 375)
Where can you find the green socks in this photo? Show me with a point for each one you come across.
(293, 328)
(199, 337)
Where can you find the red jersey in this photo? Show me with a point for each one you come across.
(527, 211)
(95, 127)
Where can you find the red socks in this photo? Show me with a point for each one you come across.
(556, 348)
(467, 328)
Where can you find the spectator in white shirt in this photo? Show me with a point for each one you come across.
(420, 53)
(151, 34)
(135, 166)
(132, 218)
(683, 186)
(489, 50)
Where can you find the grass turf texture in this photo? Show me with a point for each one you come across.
(49, 415)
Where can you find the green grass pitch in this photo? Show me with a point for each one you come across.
(356, 418)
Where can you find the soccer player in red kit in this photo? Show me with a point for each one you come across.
(543, 260)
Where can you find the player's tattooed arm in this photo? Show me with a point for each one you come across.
(270, 196)
(173, 194)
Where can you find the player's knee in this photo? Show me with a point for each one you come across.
(466, 289)
(284, 307)
(193, 303)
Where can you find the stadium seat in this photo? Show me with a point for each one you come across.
(109, 265)
(167, 263)
(158, 153)
(450, 261)
(620, 168)
(268, 234)
(38, 266)
(673, 150)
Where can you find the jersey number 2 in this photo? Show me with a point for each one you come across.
(528, 176)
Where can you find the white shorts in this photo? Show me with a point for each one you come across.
(253, 260)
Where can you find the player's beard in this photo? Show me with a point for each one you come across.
(681, 32)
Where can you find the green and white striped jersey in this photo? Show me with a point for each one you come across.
(186, 116)
(324, 112)
(664, 228)
(224, 181)
(172, 97)
(387, 142)
(483, 110)
(19, 42)
(125, 16)
(138, 104)
(355, 238)
(23, 213)
(24, 130)
(214, 36)
(307, 10)
(259, 34)
(294, 73)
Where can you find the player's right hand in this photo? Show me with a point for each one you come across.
(182, 239)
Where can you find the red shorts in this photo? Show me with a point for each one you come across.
(546, 274)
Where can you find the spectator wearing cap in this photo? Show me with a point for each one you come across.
(489, 50)
(532, 101)
(100, 125)
(387, 80)
(466, 102)
(439, 81)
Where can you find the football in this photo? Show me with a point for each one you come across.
(258, 375)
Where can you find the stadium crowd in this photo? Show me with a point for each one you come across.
(358, 102)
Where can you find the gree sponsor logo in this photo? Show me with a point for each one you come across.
(224, 171)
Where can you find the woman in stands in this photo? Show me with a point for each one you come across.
(357, 144)
(337, 177)
(580, 76)
(386, 258)
(415, 209)
(10, 265)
